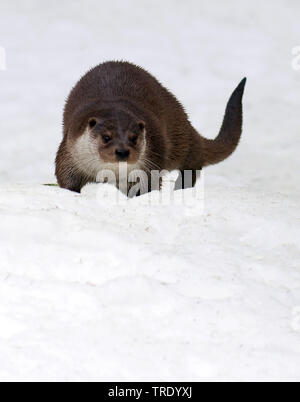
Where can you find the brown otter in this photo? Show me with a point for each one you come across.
(118, 112)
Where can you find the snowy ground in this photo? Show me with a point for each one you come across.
(92, 290)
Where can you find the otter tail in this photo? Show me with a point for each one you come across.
(220, 148)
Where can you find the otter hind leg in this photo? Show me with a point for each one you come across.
(187, 179)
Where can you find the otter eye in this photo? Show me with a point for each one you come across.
(133, 139)
(141, 126)
(92, 123)
(106, 139)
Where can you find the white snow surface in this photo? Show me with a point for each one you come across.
(92, 290)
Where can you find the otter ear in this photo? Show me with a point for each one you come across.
(92, 122)
(141, 125)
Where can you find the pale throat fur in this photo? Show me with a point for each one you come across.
(87, 159)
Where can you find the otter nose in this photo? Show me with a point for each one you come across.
(122, 153)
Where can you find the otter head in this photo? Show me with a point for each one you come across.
(118, 135)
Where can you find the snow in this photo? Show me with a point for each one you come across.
(95, 290)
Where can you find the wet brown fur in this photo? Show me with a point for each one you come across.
(172, 142)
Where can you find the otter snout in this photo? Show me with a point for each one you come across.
(122, 154)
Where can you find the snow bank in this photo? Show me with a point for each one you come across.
(92, 291)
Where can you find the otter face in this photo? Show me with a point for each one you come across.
(107, 138)
(119, 137)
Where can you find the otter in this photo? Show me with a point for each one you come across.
(118, 112)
